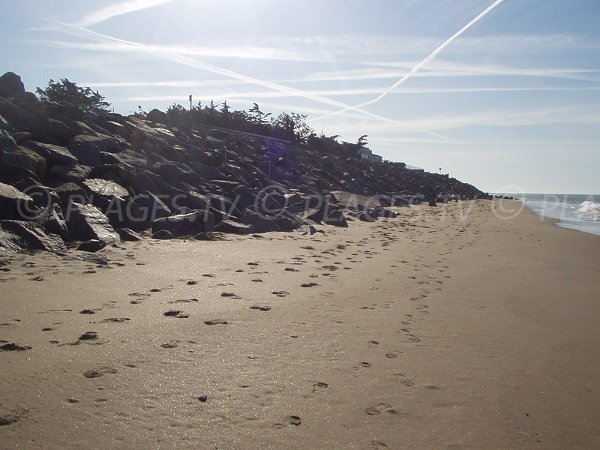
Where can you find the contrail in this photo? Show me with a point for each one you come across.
(168, 54)
(118, 9)
(416, 68)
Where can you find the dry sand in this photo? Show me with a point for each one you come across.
(446, 327)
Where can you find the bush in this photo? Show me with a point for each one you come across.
(79, 101)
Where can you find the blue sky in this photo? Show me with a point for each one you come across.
(502, 94)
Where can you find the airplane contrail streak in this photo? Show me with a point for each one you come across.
(416, 68)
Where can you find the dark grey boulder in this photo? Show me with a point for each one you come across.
(18, 236)
(175, 172)
(232, 227)
(205, 171)
(14, 203)
(91, 246)
(129, 235)
(88, 222)
(162, 234)
(195, 200)
(69, 174)
(185, 224)
(140, 211)
(156, 116)
(260, 222)
(104, 188)
(87, 148)
(70, 193)
(24, 158)
(6, 140)
(243, 197)
(54, 154)
(53, 221)
(335, 217)
(11, 85)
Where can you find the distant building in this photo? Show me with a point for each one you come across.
(375, 159)
(364, 153)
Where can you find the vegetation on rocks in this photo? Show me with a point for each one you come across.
(72, 171)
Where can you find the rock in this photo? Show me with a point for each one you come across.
(104, 188)
(205, 171)
(51, 131)
(70, 193)
(70, 174)
(53, 221)
(162, 234)
(309, 230)
(14, 174)
(6, 140)
(243, 197)
(128, 235)
(91, 246)
(142, 210)
(335, 217)
(229, 226)
(260, 222)
(25, 158)
(17, 236)
(11, 85)
(185, 224)
(195, 200)
(54, 154)
(13, 202)
(175, 172)
(156, 116)
(87, 148)
(88, 222)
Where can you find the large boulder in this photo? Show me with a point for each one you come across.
(175, 172)
(188, 224)
(140, 211)
(69, 174)
(6, 140)
(24, 158)
(205, 171)
(13, 202)
(54, 154)
(86, 148)
(260, 222)
(335, 217)
(18, 236)
(104, 188)
(88, 222)
(11, 85)
(233, 227)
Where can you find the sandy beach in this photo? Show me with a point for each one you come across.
(447, 327)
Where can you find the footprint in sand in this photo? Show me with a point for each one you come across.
(261, 307)
(12, 347)
(406, 381)
(307, 285)
(177, 313)
(183, 300)
(377, 409)
(216, 322)
(280, 293)
(373, 344)
(362, 365)
(115, 320)
(230, 295)
(98, 372)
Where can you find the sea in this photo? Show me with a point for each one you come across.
(579, 212)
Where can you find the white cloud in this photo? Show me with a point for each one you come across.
(118, 9)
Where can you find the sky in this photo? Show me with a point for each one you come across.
(502, 94)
